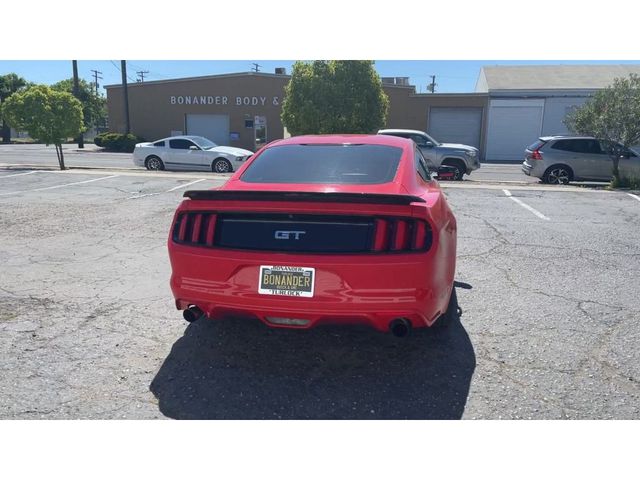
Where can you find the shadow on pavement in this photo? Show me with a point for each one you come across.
(242, 369)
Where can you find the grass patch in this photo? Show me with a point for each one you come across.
(626, 182)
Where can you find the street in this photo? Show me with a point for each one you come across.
(89, 329)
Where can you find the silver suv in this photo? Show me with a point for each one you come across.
(560, 159)
(461, 158)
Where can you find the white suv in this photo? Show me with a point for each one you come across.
(461, 158)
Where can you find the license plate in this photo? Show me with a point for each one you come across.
(287, 281)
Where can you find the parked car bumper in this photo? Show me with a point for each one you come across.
(372, 291)
(533, 169)
(473, 165)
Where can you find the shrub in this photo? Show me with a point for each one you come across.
(98, 139)
(626, 182)
(118, 142)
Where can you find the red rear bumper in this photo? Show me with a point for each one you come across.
(369, 289)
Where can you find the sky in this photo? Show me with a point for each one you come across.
(452, 76)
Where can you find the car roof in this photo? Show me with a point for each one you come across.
(344, 139)
(180, 137)
(400, 130)
(548, 138)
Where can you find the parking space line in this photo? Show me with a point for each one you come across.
(634, 196)
(18, 174)
(133, 197)
(58, 186)
(524, 205)
(185, 185)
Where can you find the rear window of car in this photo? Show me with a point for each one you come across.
(535, 145)
(159, 144)
(351, 164)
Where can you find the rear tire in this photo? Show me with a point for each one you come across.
(221, 165)
(460, 168)
(153, 163)
(557, 175)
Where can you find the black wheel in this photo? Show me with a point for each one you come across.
(558, 175)
(154, 163)
(459, 168)
(451, 315)
(221, 165)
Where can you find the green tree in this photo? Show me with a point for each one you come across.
(48, 115)
(9, 84)
(336, 96)
(612, 115)
(94, 106)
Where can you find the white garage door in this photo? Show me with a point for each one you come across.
(456, 125)
(512, 126)
(213, 127)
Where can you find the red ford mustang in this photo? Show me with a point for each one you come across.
(314, 229)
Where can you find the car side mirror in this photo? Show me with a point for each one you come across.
(193, 147)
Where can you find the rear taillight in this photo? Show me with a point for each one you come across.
(535, 155)
(195, 228)
(401, 235)
(370, 235)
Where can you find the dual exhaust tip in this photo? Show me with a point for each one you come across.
(399, 327)
(192, 314)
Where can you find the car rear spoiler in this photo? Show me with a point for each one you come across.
(337, 197)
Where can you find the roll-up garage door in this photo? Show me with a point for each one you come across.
(512, 126)
(213, 127)
(456, 125)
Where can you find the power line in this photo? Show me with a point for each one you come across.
(141, 74)
(256, 67)
(130, 79)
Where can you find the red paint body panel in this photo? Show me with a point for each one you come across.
(373, 288)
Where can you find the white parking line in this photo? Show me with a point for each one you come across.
(186, 185)
(524, 205)
(58, 186)
(144, 195)
(634, 196)
(18, 174)
(166, 191)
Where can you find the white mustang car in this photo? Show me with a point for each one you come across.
(188, 153)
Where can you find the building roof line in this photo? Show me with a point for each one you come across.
(205, 77)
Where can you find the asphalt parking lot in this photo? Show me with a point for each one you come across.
(88, 328)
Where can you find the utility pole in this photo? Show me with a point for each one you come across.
(76, 93)
(256, 67)
(123, 69)
(141, 74)
(432, 86)
(96, 76)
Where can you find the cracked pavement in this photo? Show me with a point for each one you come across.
(88, 328)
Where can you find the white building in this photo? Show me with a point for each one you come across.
(526, 102)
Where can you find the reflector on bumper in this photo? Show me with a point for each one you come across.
(288, 321)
